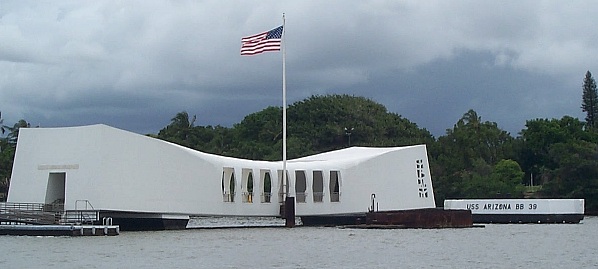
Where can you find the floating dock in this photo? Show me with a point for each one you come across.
(60, 230)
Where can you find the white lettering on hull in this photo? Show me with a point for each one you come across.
(518, 206)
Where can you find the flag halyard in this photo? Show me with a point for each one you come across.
(266, 41)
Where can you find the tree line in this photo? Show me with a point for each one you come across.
(549, 158)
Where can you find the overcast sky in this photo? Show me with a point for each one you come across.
(135, 64)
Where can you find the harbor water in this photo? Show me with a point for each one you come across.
(493, 246)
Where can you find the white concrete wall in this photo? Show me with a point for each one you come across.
(391, 177)
(119, 170)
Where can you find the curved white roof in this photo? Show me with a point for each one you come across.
(123, 171)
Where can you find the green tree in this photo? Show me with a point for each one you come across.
(462, 160)
(576, 172)
(589, 102)
(314, 125)
(322, 121)
(475, 183)
(509, 176)
(6, 159)
(179, 129)
(485, 181)
(471, 139)
(563, 156)
(259, 135)
(541, 134)
(7, 154)
(8, 146)
(13, 134)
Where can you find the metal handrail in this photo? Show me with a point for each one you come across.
(81, 216)
(22, 206)
(38, 213)
(87, 203)
(29, 213)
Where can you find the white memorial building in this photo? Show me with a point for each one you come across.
(142, 181)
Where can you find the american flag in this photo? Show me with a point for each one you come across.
(258, 43)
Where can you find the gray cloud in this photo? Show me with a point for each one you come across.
(135, 64)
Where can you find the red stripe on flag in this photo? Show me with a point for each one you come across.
(258, 43)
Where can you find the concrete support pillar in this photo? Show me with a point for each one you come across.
(289, 212)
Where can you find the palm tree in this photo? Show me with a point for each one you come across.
(14, 131)
(179, 130)
(2, 128)
(471, 118)
(182, 121)
(182, 125)
(3, 141)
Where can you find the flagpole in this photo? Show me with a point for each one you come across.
(284, 111)
(289, 201)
